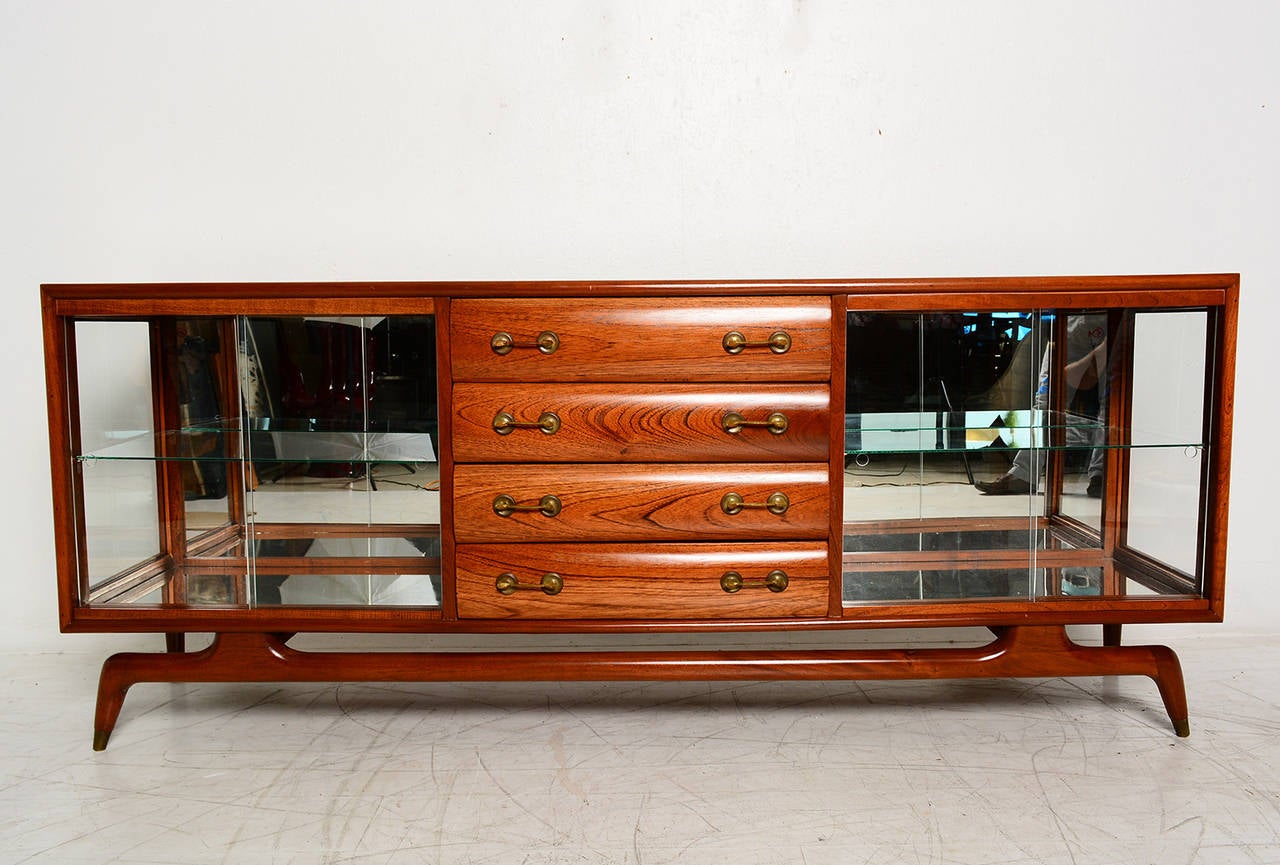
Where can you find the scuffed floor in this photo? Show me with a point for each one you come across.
(1054, 771)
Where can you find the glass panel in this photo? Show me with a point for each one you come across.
(995, 438)
(1166, 493)
(341, 425)
(289, 441)
(120, 500)
(122, 527)
(936, 402)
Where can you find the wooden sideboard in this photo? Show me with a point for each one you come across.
(259, 460)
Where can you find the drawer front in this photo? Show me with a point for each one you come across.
(641, 581)
(640, 423)
(641, 339)
(639, 502)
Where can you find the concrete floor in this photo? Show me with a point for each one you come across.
(1048, 771)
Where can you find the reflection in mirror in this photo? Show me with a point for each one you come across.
(349, 590)
(1064, 449)
(1075, 385)
(936, 402)
(341, 427)
(202, 353)
(937, 584)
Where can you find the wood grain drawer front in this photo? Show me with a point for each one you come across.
(641, 423)
(641, 339)
(623, 502)
(641, 581)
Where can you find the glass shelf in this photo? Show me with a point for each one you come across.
(209, 444)
(971, 432)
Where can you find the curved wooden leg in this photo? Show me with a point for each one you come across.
(112, 688)
(1172, 689)
(1036, 651)
(230, 658)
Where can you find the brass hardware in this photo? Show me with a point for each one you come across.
(734, 423)
(502, 342)
(505, 506)
(778, 342)
(505, 422)
(733, 503)
(775, 581)
(550, 584)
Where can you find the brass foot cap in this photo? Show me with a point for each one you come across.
(1182, 727)
(100, 738)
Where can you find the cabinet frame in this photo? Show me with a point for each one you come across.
(63, 304)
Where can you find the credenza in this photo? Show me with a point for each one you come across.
(258, 460)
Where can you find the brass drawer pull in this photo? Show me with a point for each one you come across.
(503, 343)
(733, 503)
(734, 423)
(505, 506)
(551, 584)
(778, 342)
(504, 423)
(774, 581)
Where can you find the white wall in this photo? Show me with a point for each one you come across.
(414, 140)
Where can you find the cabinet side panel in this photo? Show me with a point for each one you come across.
(59, 373)
(1219, 470)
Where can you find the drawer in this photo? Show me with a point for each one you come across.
(641, 339)
(641, 581)
(660, 501)
(640, 423)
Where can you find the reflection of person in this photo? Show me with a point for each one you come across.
(1086, 375)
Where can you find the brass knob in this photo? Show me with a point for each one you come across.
(779, 342)
(733, 503)
(505, 506)
(775, 581)
(503, 343)
(509, 584)
(504, 423)
(734, 423)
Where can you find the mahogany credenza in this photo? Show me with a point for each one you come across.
(256, 460)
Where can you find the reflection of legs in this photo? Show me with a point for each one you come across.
(1097, 468)
(1018, 480)
(1028, 466)
(1098, 456)
(267, 586)
(1028, 463)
